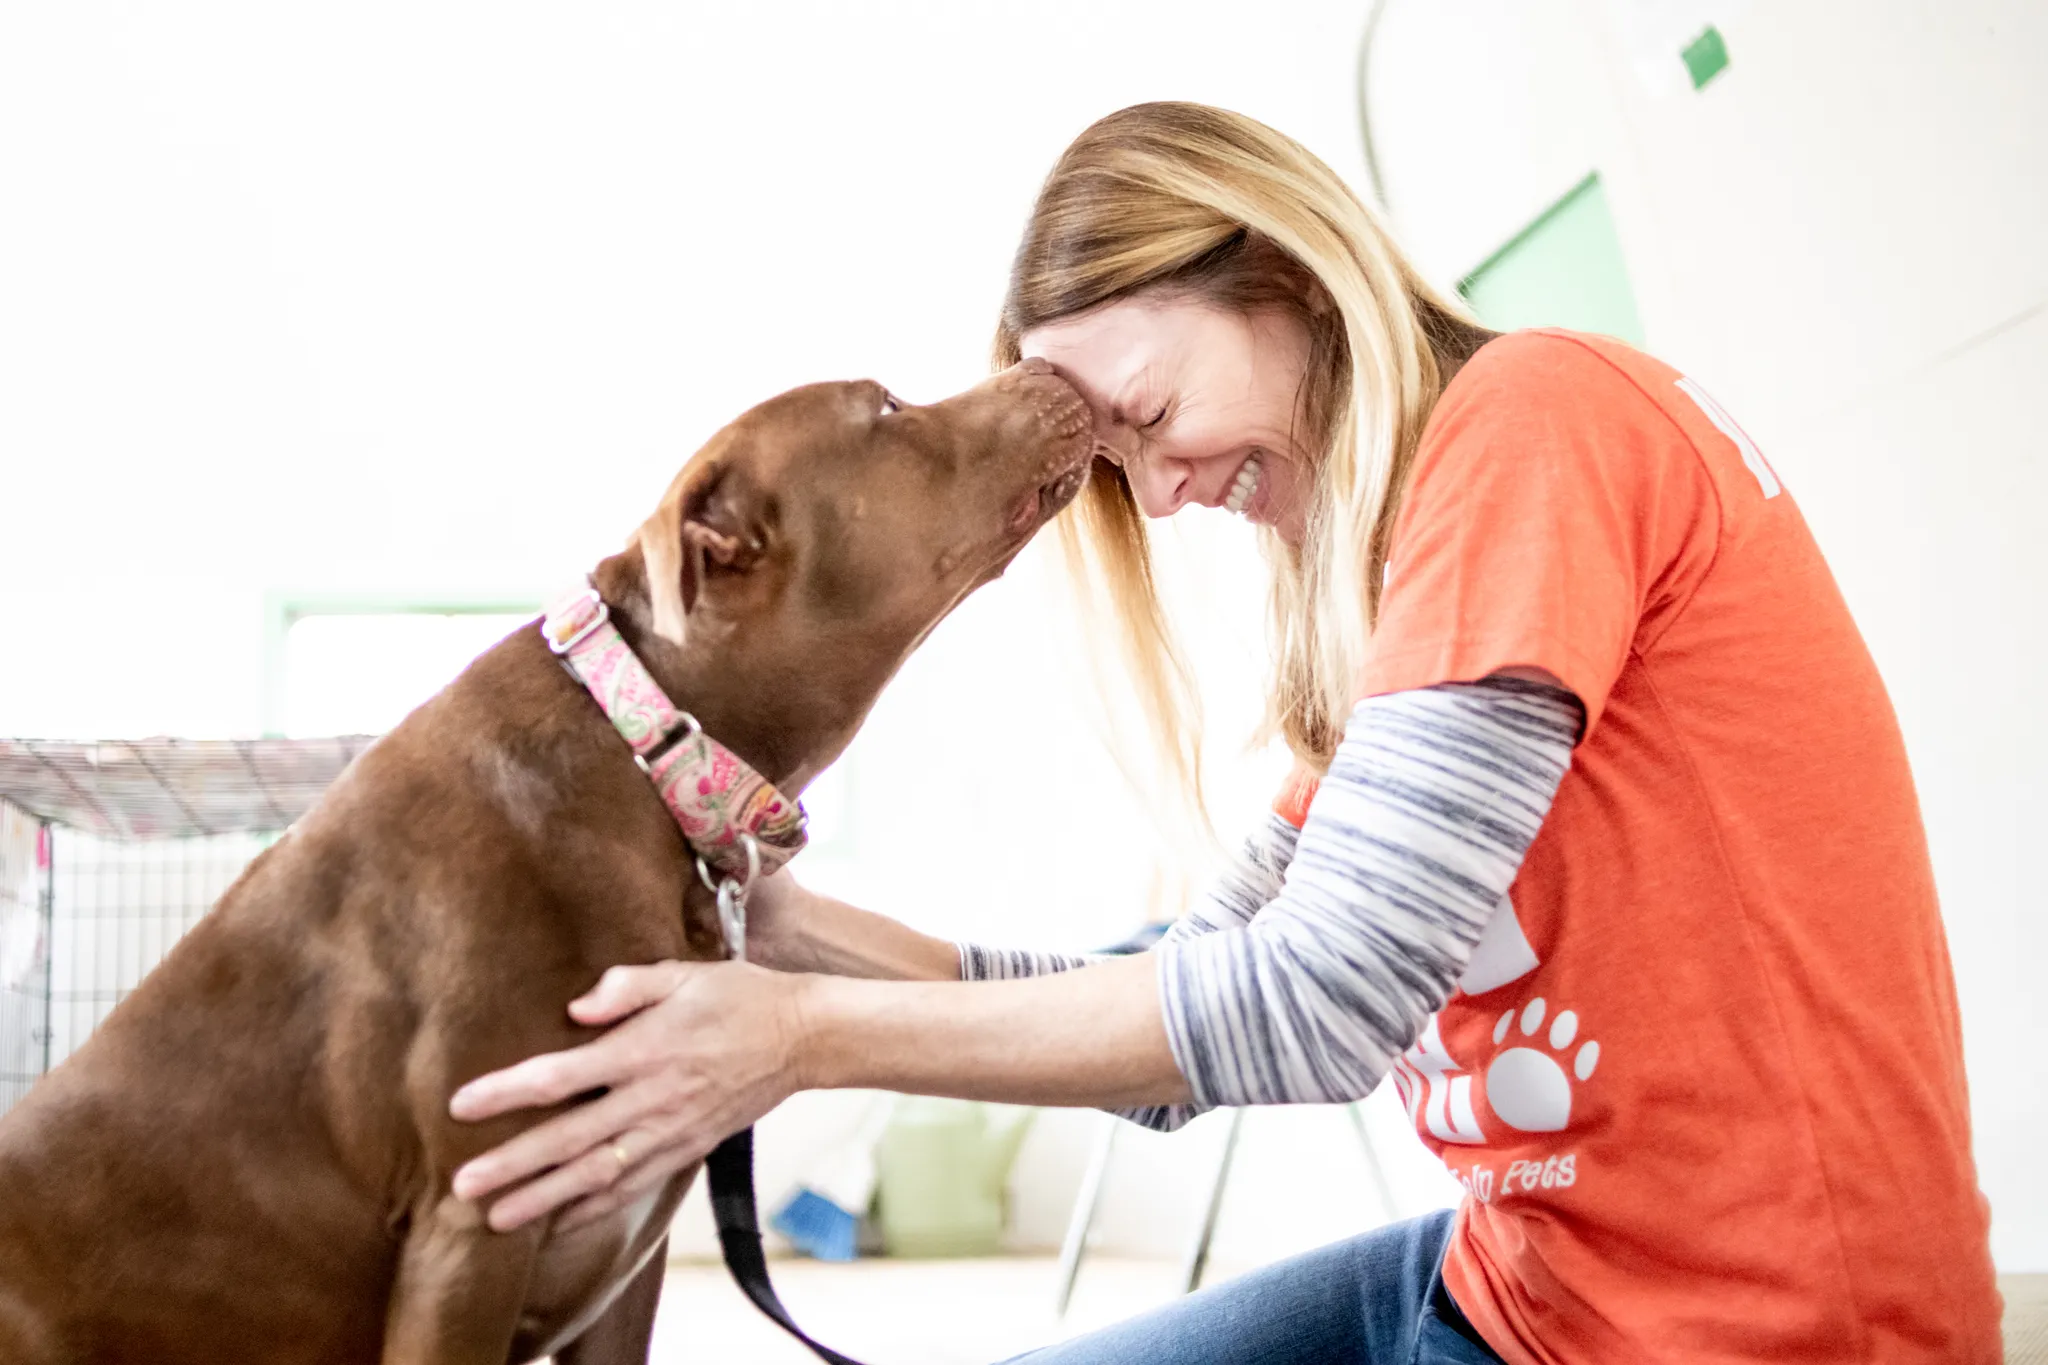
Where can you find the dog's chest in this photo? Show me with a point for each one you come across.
(580, 1273)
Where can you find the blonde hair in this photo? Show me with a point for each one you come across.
(1189, 199)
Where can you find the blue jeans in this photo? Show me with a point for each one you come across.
(1378, 1299)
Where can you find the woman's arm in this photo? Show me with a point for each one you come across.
(1094, 1036)
(1412, 841)
(1020, 1037)
(793, 929)
(1409, 849)
(1247, 883)
(702, 1049)
(796, 930)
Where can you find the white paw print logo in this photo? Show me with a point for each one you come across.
(1526, 1086)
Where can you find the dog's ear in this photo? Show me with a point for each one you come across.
(700, 527)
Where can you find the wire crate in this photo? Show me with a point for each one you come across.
(109, 853)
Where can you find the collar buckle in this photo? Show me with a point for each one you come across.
(582, 614)
(731, 817)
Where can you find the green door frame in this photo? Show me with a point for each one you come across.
(1564, 269)
(283, 610)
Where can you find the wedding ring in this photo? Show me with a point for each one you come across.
(619, 1155)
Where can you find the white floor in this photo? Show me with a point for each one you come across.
(888, 1312)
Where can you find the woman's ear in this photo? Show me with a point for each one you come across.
(700, 523)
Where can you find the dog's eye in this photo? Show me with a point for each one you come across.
(889, 403)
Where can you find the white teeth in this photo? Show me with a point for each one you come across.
(1247, 484)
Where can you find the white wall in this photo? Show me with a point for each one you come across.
(1843, 237)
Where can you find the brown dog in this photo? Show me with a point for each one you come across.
(251, 1160)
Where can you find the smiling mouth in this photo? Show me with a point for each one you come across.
(1249, 475)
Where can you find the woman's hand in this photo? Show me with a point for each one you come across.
(704, 1049)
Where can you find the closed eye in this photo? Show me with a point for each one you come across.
(1156, 419)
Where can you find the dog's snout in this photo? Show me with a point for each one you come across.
(1038, 428)
(1037, 375)
(1047, 393)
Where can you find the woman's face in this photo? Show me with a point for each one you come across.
(1195, 403)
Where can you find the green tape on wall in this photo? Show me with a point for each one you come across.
(1563, 270)
(1705, 56)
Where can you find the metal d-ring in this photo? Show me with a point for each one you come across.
(732, 897)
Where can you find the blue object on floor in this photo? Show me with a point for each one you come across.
(816, 1226)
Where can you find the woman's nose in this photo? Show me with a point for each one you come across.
(1161, 486)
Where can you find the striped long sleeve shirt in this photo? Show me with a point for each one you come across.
(1319, 956)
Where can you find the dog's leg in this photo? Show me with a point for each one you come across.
(460, 1287)
(621, 1335)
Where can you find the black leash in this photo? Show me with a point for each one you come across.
(730, 1168)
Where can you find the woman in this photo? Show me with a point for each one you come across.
(1603, 840)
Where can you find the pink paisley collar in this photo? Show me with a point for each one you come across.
(712, 793)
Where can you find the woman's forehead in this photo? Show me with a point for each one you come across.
(1105, 347)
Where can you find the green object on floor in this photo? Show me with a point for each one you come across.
(940, 1171)
(1705, 56)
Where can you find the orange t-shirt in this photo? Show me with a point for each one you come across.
(1704, 1085)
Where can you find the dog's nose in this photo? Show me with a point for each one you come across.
(1035, 391)
(1036, 374)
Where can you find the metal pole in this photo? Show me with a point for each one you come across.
(1198, 1259)
(1372, 1162)
(1084, 1209)
(1363, 91)
(46, 843)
